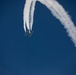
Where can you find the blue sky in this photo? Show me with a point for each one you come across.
(49, 51)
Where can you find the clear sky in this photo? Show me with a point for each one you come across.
(49, 51)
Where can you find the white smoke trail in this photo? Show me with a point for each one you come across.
(28, 14)
(56, 9)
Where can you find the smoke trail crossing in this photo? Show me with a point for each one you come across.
(56, 9)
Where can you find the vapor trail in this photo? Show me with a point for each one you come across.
(56, 9)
